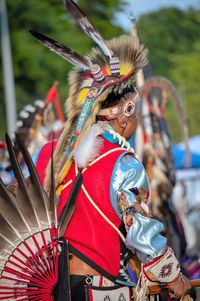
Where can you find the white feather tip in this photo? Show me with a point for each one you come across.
(89, 147)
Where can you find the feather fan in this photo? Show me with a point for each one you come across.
(28, 235)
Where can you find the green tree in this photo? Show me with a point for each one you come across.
(35, 69)
(186, 73)
(173, 38)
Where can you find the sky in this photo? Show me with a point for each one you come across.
(138, 7)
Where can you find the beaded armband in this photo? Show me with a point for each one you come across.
(163, 269)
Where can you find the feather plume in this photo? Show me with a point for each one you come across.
(29, 193)
(38, 197)
(159, 175)
(63, 51)
(10, 214)
(163, 83)
(90, 146)
(132, 55)
(87, 27)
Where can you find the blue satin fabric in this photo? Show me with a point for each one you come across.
(143, 237)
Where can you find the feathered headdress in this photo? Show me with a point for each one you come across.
(108, 68)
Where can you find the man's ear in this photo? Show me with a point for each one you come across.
(122, 121)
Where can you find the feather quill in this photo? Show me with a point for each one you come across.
(87, 27)
(63, 51)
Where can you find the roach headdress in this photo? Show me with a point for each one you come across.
(110, 67)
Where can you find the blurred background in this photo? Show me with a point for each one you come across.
(170, 29)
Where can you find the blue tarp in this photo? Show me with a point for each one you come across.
(179, 153)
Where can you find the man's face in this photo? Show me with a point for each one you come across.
(130, 128)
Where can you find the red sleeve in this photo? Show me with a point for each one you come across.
(43, 159)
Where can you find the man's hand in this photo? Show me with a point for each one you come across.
(179, 287)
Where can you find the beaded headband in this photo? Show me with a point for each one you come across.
(126, 106)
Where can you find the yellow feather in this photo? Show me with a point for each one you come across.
(82, 96)
(125, 68)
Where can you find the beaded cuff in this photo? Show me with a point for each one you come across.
(163, 269)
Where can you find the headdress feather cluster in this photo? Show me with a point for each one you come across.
(110, 67)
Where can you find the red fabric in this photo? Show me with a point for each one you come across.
(87, 231)
(2, 145)
(53, 96)
(43, 159)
